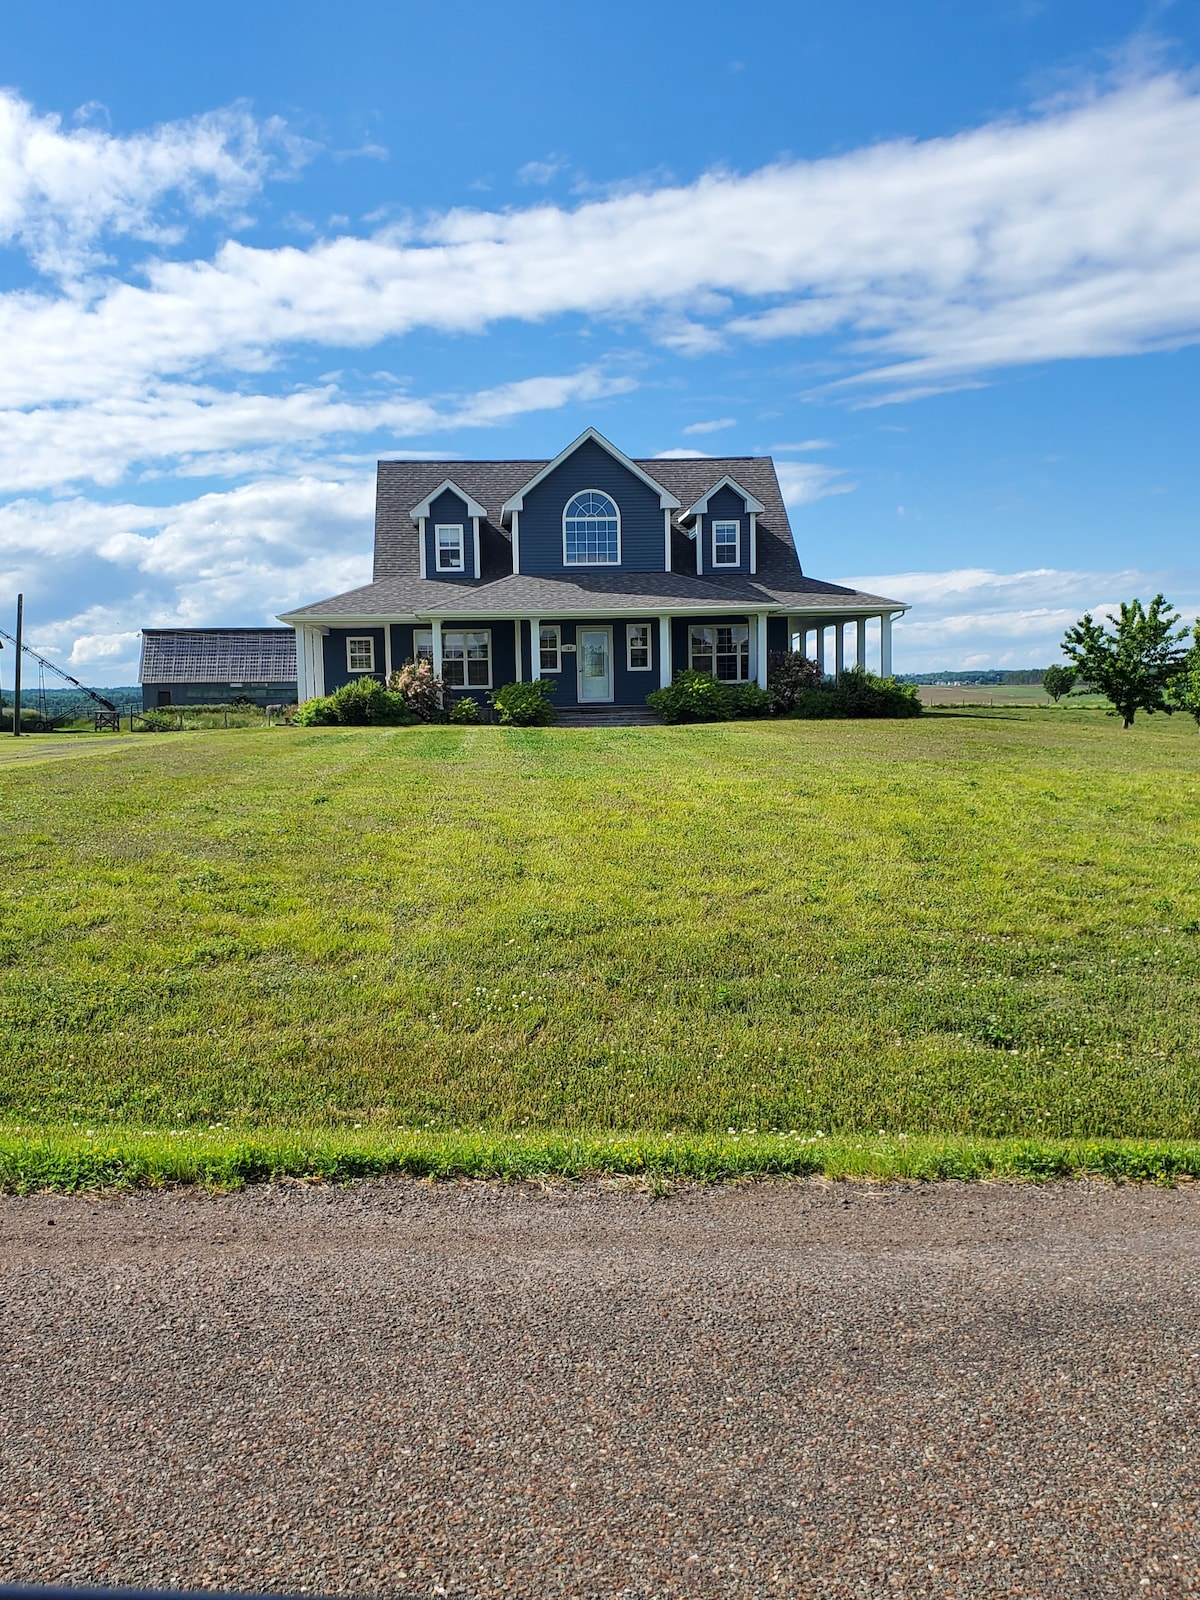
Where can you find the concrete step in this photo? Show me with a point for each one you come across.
(606, 717)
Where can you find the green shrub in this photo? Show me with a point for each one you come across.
(465, 710)
(363, 702)
(858, 693)
(751, 701)
(524, 705)
(318, 713)
(692, 697)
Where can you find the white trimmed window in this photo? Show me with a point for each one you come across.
(360, 655)
(637, 646)
(423, 644)
(550, 647)
(448, 543)
(591, 531)
(467, 657)
(727, 544)
(723, 651)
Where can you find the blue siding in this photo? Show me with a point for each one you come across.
(334, 648)
(541, 522)
(778, 637)
(726, 506)
(449, 508)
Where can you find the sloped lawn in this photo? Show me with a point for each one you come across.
(974, 925)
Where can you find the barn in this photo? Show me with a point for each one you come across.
(217, 666)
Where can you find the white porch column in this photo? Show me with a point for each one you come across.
(387, 651)
(760, 641)
(437, 647)
(664, 652)
(535, 648)
(839, 647)
(885, 645)
(861, 652)
(819, 654)
(302, 689)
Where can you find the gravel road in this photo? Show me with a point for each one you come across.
(793, 1389)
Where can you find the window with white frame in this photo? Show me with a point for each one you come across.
(423, 644)
(550, 647)
(637, 646)
(727, 544)
(467, 657)
(448, 542)
(722, 650)
(360, 655)
(591, 531)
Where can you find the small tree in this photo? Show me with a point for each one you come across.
(1058, 681)
(1133, 663)
(1184, 691)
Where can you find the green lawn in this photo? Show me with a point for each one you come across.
(982, 924)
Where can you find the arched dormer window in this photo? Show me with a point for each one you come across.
(591, 531)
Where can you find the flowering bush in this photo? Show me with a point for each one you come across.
(425, 696)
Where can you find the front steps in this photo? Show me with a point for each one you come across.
(606, 717)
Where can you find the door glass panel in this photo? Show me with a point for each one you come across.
(595, 664)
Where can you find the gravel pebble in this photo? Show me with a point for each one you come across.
(778, 1389)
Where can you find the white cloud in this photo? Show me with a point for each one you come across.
(205, 429)
(804, 444)
(974, 617)
(805, 481)
(1071, 233)
(711, 427)
(542, 172)
(61, 189)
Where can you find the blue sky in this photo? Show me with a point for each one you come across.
(942, 260)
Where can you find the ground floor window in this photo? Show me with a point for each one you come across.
(360, 655)
(637, 644)
(723, 651)
(466, 655)
(550, 647)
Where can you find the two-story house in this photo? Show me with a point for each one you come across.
(600, 572)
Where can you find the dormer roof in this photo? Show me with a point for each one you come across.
(727, 482)
(474, 509)
(516, 502)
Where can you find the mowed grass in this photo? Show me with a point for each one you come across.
(981, 925)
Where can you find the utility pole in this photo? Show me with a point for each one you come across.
(17, 668)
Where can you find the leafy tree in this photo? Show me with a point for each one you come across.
(1058, 681)
(1132, 663)
(1184, 692)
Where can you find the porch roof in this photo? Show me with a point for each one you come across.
(608, 593)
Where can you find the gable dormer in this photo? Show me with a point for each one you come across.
(591, 509)
(447, 523)
(724, 524)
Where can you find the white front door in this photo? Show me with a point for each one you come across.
(595, 665)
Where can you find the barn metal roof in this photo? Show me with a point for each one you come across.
(218, 655)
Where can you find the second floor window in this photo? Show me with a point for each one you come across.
(449, 547)
(591, 531)
(727, 539)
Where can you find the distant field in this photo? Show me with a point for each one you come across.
(1003, 694)
(976, 924)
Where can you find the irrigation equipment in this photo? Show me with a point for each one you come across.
(106, 718)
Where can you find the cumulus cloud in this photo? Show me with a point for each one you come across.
(802, 482)
(63, 189)
(973, 617)
(711, 427)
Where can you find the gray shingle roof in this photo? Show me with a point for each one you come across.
(399, 590)
(218, 655)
